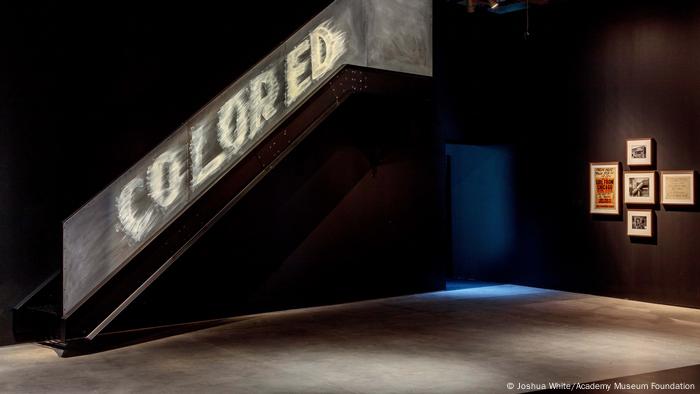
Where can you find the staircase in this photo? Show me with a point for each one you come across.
(123, 239)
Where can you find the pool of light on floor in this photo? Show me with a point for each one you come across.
(491, 290)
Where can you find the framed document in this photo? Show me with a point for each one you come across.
(678, 187)
(640, 152)
(640, 187)
(605, 188)
(640, 223)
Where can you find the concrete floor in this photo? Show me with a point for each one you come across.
(463, 341)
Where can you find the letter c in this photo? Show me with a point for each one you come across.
(134, 224)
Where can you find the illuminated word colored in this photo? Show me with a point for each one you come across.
(239, 120)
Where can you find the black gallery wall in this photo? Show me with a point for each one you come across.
(587, 77)
(86, 92)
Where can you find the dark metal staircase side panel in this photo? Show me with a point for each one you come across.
(108, 301)
(122, 239)
(117, 225)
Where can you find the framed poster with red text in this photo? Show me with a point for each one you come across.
(605, 188)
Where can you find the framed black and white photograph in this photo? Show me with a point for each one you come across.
(640, 223)
(678, 187)
(640, 187)
(640, 152)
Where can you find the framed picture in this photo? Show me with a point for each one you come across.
(605, 188)
(640, 152)
(640, 187)
(640, 223)
(678, 187)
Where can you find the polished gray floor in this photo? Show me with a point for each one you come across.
(474, 340)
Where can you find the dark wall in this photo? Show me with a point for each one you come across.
(85, 91)
(588, 77)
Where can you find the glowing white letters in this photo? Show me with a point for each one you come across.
(327, 45)
(240, 119)
(135, 224)
(233, 122)
(264, 90)
(297, 65)
(201, 171)
(321, 50)
(165, 178)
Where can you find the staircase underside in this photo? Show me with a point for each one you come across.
(127, 284)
